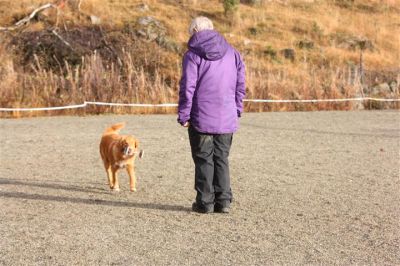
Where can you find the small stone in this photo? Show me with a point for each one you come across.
(95, 20)
(148, 20)
(246, 42)
(143, 8)
(305, 44)
(382, 89)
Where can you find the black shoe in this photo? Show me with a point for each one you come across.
(220, 209)
(202, 209)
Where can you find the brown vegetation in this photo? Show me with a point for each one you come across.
(292, 49)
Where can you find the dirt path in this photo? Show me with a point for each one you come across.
(309, 188)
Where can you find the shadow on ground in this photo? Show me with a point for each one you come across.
(22, 195)
(21, 182)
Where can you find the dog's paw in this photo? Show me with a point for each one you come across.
(133, 189)
(115, 189)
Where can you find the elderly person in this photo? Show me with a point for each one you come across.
(211, 95)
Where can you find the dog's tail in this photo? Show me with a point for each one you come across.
(114, 128)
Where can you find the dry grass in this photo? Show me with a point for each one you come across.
(92, 80)
(325, 71)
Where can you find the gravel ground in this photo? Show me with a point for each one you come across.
(310, 188)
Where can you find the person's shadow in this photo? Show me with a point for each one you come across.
(23, 195)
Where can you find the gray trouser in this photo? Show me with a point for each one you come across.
(210, 155)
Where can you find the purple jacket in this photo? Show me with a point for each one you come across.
(212, 86)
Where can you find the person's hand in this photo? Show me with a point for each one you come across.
(187, 124)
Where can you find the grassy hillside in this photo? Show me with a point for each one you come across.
(292, 50)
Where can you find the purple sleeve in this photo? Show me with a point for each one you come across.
(240, 84)
(187, 87)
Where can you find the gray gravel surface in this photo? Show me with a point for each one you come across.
(310, 188)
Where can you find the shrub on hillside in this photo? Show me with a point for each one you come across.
(270, 52)
(344, 3)
(230, 6)
(251, 2)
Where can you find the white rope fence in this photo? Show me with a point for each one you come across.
(175, 105)
(322, 100)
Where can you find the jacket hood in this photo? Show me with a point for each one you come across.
(208, 44)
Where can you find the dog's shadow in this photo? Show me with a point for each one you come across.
(89, 201)
(53, 185)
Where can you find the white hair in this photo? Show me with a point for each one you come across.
(199, 24)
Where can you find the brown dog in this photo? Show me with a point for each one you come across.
(119, 151)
